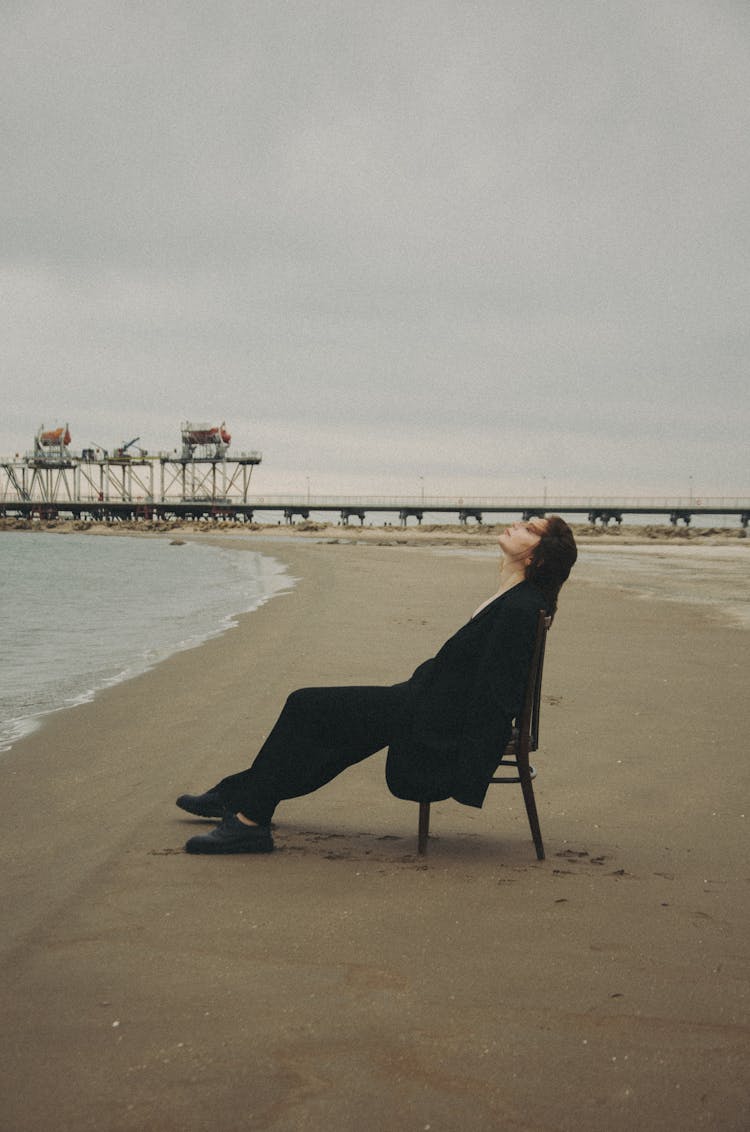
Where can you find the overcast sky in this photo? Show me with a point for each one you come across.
(470, 247)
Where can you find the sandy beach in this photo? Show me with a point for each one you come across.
(344, 981)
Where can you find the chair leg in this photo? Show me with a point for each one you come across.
(528, 797)
(424, 826)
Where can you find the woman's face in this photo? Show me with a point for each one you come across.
(519, 539)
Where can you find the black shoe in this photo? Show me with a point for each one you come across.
(208, 805)
(233, 836)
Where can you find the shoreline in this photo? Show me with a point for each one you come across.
(430, 534)
(139, 658)
(343, 981)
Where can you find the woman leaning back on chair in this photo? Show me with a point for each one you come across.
(445, 727)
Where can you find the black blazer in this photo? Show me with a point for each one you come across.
(462, 704)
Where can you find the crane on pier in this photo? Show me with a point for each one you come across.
(122, 453)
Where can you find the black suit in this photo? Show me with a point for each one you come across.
(446, 727)
(463, 703)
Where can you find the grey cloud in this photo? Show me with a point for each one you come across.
(442, 219)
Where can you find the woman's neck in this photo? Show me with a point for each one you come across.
(508, 579)
(511, 573)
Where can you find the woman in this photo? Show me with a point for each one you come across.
(446, 727)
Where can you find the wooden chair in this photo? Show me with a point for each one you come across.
(525, 738)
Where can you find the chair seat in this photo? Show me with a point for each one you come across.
(510, 758)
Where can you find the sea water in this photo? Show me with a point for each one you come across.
(79, 613)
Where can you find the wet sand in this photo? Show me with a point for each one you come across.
(344, 981)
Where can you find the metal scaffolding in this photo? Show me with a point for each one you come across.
(52, 478)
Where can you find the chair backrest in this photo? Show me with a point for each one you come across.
(525, 738)
(528, 721)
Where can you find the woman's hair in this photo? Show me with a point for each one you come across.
(552, 560)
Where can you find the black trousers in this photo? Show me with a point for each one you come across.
(320, 732)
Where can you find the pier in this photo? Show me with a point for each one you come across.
(222, 493)
(202, 480)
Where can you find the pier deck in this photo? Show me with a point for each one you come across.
(602, 510)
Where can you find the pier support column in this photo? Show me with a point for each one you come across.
(348, 512)
(604, 517)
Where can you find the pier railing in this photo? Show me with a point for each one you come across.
(511, 503)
